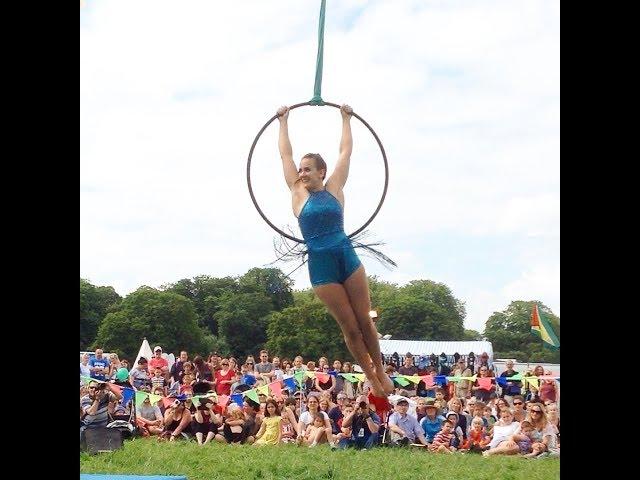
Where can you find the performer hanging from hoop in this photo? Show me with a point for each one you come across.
(337, 275)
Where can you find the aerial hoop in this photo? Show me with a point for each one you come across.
(313, 103)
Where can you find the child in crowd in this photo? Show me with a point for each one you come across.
(458, 436)
(158, 381)
(345, 432)
(440, 402)
(524, 438)
(443, 439)
(489, 417)
(237, 381)
(314, 430)
(287, 430)
(187, 384)
(477, 439)
(478, 411)
(234, 426)
(270, 430)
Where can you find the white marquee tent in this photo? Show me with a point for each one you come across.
(418, 348)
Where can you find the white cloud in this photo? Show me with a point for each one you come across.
(464, 96)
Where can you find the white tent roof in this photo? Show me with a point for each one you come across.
(420, 347)
(145, 351)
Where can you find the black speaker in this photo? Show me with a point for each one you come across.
(102, 439)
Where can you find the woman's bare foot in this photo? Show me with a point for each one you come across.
(387, 384)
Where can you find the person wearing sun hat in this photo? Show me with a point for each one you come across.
(431, 423)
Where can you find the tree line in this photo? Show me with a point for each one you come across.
(240, 315)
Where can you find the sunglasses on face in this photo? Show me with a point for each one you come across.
(536, 411)
(517, 403)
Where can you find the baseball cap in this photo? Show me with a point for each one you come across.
(402, 400)
(158, 347)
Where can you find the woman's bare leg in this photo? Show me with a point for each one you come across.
(357, 287)
(335, 297)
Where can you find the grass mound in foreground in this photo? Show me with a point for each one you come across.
(145, 456)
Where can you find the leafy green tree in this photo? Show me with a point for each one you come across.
(422, 310)
(205, 293)
(381, 293)
(306, 329)
(242, 321)
(165, 318)
(272, 282)
(95, 302)
(471, 336)
(509, 332)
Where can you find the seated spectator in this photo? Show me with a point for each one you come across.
(234, 427)
(458, 437)
(502, 431)
(455, 405)
(177, 420)
(442, 442)
(95, 404)
(270, 431)
(149, 418)
(336, 413)
(489, 417)
(478, 411)
(524, 438)
(237, 382)
(138, 376)
(440, 401)
(188, 381)
(364, 425)
(287, 430)
(306, 418)
(158, 382)
(519, 413)
(204, 372)
(431, 423)
(477, 439)
(404, 428)
(206, 422)
(344, 432)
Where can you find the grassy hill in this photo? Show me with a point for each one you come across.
(148, 456)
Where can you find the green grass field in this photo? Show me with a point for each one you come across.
(218, 461)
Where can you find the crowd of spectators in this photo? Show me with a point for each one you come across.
(470, 415)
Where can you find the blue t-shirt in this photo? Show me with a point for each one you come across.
(431, 427)
(94, 362)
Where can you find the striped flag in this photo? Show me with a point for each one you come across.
(541, 327)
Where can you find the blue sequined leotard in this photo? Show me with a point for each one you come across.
(332, 258)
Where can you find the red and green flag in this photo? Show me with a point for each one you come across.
(541, 327)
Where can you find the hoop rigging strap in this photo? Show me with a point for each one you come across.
(317, 87)
(255, 142)
(317, 101)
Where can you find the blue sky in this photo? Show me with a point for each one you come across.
(463, 94)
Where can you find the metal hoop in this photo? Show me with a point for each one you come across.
(253, 146)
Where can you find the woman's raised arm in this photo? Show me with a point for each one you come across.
(284, 145)
(339, 176)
